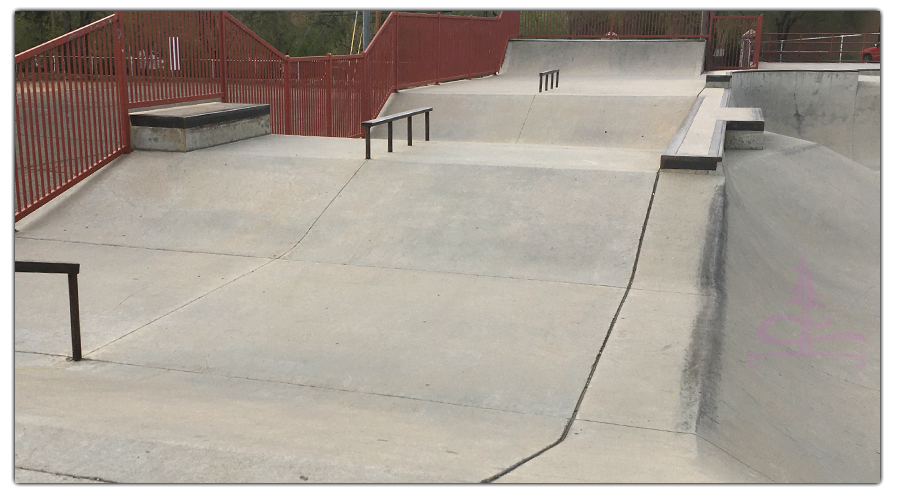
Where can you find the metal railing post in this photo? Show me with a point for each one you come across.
(288, 129)
(121, 82)
(328, 84)
(223, 58)
(74, 317)
(437, 52)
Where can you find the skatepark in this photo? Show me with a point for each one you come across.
(527, 297)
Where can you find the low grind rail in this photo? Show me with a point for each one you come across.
(390, 122)
(546, 78)
(72, 271)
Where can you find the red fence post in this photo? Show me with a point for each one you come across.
(223, 58)
(328, 84)
(364, 102)
(437, 52)
(397, 52)
(288, 130)
(121, 89)
(758, 41)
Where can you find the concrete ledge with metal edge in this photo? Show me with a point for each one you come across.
(195, 126)
(709, 128)
(390, 123)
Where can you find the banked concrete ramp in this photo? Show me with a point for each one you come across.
(839, 109)
(802, 241)
(612, 93)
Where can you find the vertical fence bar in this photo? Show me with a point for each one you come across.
(121, 85)
(222, 56)
(328, 89)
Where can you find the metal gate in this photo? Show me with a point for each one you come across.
(734, 42)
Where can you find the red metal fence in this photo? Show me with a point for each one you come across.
(70, 117)
(612, 24)
(73, 93)
(816, 47)
(734, 42)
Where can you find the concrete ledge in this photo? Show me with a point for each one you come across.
(718, 81)
(709, 129)
(196, 126)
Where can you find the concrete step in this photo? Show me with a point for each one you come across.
(189, 127)
(709, 128)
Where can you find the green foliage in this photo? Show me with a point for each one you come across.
(34, 27)
(811, 21)
(306, 33)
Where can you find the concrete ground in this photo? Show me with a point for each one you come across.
(478, 307)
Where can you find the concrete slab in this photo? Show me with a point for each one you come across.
(524, 155)
(650, 348)
(674, 253)
(505, 344)
(25, 476)
(202, 201)
(145, 425)
(574, 226)
(120, 290)
(598, 452)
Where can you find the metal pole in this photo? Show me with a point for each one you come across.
(704, 22)
(366, 25)
(74, 317)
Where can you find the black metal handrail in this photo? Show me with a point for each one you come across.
(72, 271)
(390, 122)
(547, 77)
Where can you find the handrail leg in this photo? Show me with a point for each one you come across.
(73, 314)
(368, 143)
(409, 130)
(427, 127)
(540, 83)
(390, 137)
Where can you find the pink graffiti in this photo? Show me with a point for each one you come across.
(805, 297)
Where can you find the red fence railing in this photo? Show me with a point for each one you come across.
(612, 24)
(171, 57)
(734, 42)
(69, 112)
(816, 47)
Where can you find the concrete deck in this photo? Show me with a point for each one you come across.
(514, 301)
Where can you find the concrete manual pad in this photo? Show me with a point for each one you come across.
(145, 425)
(549, 224)
(506, 344)
(202, 201)
(120, 290)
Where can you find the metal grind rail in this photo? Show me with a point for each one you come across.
(546, 78)
(72, 271)
(390, 123)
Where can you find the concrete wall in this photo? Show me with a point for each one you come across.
(796, 419)
(606, 58)
(837, 109)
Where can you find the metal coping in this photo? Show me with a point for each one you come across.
(688, 162)
(676, 140)
(200, 119)
(397, 116)
(46, 267)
